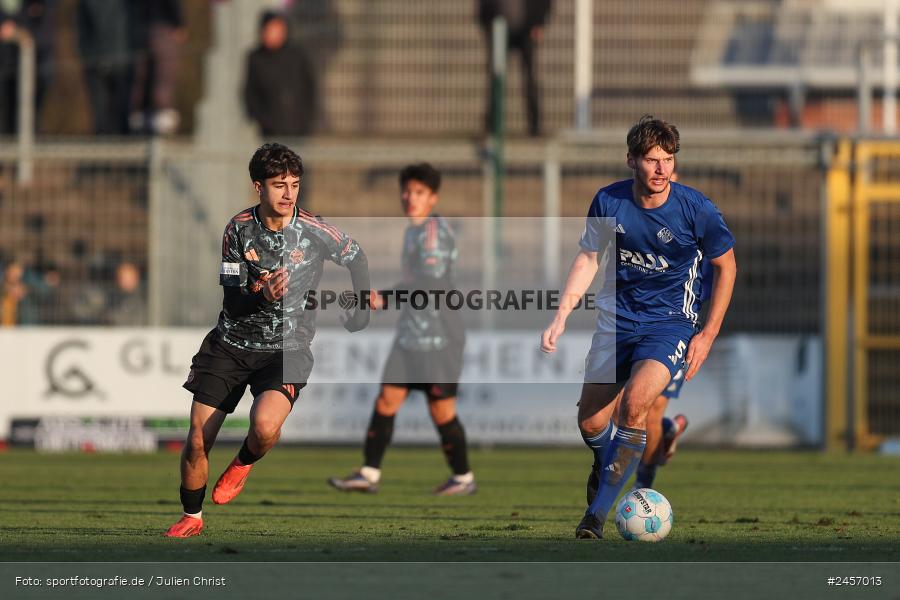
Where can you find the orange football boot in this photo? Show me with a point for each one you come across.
(231, 482)
(185, 527)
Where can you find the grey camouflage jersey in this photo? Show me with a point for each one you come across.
(251, 252)
(429, 262)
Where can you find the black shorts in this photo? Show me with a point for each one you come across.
(221, 372)
(436, 372)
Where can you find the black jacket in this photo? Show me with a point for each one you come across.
(280, 91)
(536, 13)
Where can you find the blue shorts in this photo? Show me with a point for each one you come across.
(611, 359)
(675, 385)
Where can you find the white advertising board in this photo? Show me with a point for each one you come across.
(753, 391)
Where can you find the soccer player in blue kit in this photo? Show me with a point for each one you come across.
(663, 232)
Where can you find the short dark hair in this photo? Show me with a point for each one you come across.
(271, 15)
(274, 160)
(422, 172)
(651, 132)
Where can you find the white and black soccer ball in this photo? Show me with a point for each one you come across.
(644, 515)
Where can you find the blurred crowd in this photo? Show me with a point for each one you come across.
(129, 52)
(137, 66)
(39, 296)
(119, 66)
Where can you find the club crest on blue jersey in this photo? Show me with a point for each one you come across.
(665, 235)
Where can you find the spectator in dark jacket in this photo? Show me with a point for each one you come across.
(159, 33)
(525, 20)
(104, 43)
(37, 19)
(280, 90)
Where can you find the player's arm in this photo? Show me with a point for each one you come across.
(239, 301)
(359, 278)
(581, 274)
(724, 274)
(345, 251)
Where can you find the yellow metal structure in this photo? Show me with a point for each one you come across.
(837, 300)
(864, 178)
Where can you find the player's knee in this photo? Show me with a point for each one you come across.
(441, 414)
(592, 425)
(634, 414)
(387, 406)
(266, 431)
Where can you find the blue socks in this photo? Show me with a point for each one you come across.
(598, 444)
(621, 459)
(645, 476)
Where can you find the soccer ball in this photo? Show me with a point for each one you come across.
(644, 515)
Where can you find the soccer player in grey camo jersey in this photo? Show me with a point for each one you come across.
(428, 347)
(272, 255)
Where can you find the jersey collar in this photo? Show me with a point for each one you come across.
(260, 223)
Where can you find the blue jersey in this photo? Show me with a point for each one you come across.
(659, 251)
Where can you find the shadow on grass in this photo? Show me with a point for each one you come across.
(135, 544)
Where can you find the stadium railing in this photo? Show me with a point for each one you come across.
(162, 206)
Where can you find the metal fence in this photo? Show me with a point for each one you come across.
(157, 211)
(864, 268)
(74, 242)
(162, 206)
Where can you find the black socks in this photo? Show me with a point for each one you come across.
(378, 437)
(453, 443)
(192, 500)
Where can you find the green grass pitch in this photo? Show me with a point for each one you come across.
(729, 506)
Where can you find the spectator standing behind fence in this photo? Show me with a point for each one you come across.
(35, 17)
(104, 42)
(16, 307)
(128, 306)
(9, 68)
(525, 21)
(45, 287)
(280, 90)
(159, 34)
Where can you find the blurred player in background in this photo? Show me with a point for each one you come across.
(428, 347)
(662, 435)
(663, 232)
(263, 335)
(662, 440)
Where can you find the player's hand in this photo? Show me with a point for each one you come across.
(551, 334)
(356, 322)
(376, 300)
(697, 352)
(275, 284)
